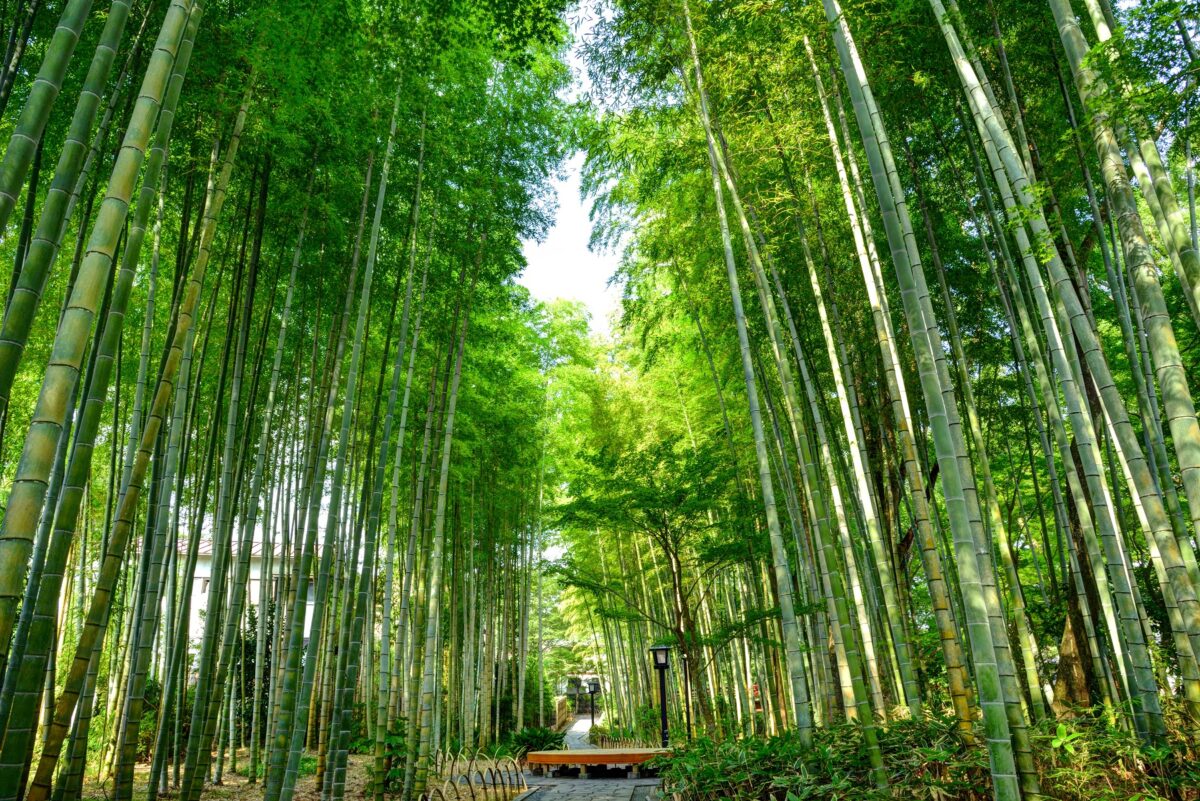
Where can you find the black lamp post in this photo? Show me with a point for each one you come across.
(593, 688)
(687, 695)
(662, 662)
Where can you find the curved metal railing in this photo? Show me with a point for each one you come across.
(473, 776)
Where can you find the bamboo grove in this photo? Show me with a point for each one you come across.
(908, 355)
(260, 315)
(894, 441)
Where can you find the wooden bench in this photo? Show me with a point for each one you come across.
(631, 758)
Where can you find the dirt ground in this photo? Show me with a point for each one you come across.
(235, 787)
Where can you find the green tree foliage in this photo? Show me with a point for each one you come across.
(894, 440)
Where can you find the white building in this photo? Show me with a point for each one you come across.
(202, 594)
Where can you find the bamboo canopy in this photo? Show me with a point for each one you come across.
(308, 483)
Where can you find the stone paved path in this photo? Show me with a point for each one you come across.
(577, 734)
(549, 788)
(593, 790)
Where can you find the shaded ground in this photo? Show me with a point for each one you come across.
(237, 787)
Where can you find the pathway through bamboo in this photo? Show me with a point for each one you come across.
(548, 788)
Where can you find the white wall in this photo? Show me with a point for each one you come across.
(202, 595)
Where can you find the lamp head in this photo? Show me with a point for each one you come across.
(593, 686)
(661, 655)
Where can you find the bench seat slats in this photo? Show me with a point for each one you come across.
(594, 756)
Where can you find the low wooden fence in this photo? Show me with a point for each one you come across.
(604, 741)
(562, 714)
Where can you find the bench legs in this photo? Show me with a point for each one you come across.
(633, 769)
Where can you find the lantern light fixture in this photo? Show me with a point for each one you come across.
(662, 656)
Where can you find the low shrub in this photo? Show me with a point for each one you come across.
(923, 755)
(537, 738)
(497, 750)
(1084, 758)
